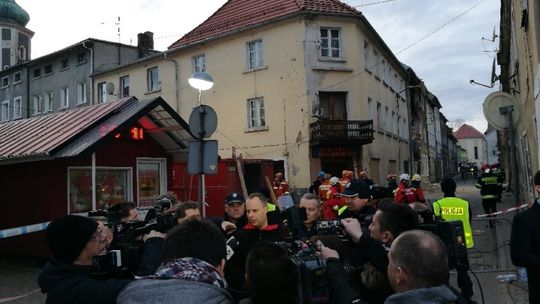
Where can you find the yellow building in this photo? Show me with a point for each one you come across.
(307, 83)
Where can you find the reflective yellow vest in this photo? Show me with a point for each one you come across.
(342, 209)
(455, 209)
(270, 207)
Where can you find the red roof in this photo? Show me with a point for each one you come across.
(238, 15)
(466, 131)
(37, 137)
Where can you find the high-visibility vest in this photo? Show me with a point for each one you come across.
(455, 209)
(270, 207)
(341, 210)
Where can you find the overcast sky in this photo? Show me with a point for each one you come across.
(446, 60)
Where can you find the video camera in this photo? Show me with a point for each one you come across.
(453, 236)
(127, 247)
(312, 281)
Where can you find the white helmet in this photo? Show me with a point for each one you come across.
(404, 176)
(416, 178)
(334, 181)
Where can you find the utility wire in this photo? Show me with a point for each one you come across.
(374, 3)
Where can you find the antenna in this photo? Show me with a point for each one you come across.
(494, 78)
(117, 23)
(493, 36)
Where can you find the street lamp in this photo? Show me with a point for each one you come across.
(201, 81)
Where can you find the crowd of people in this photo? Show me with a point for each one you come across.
(382, 256)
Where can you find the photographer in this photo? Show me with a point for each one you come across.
(192, 271)
(73, 241)
(270, 275)
(388, 223)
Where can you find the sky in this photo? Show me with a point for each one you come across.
(440, 39)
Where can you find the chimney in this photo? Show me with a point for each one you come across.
(145, 43)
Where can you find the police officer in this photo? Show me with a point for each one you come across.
(451, 208)
(358, 197)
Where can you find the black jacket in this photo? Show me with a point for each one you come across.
(67, 283)
(525, 247)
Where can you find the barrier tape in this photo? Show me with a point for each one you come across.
(6, 233)
(5, 300)
(504, 211)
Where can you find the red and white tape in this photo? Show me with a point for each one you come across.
(504, 211)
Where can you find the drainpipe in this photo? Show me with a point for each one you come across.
(91, 71)
(176, 78)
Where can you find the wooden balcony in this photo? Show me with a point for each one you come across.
(341, 132)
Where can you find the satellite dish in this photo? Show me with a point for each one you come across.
(491, 106)
(109, 87)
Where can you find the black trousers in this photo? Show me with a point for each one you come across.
(489, 205)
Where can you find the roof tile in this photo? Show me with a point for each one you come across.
(467, 131)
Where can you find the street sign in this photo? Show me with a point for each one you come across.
(203, 121)
(209, 157)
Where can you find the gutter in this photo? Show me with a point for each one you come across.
(176, 78)
(91, 71)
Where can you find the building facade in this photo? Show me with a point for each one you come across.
(474, 142)
(312, 88)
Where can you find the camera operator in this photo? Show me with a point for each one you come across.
(235, 214)
(389, 222)
(257, 229)
(188, 210)
(417, 270)
(192, 271)
(312, 204)
(126, 211)
(451, 208)
(73, 241)
(270, 275)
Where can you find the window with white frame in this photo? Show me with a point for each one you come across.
(48, 105)
(36, 104)
(376, 64)
(386, 122)
(64, 98)
(199, 64)
(384, 70)
(380, 116)
(151, 179)
(81, 93)
(368, 57)
(5, 111)
(330, 43)
(102, 92)
(17, 107)
(124, 86)
(255, 54)
(370, 108)
(256, 114)
(5, 82)
(152, 79)
(17, 77)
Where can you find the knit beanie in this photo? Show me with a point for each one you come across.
(67, 236)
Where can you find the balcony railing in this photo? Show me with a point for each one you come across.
(349, 132)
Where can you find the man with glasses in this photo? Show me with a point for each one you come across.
(73, 242)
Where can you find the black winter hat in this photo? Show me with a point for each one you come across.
(448, 185)
(68, 235)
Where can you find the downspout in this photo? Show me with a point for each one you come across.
(91, 71)
(176, 78)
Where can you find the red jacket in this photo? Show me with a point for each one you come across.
(331, 205)
(407, 194)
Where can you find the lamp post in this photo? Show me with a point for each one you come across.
(201, 81)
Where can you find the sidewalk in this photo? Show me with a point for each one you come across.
(490, 256)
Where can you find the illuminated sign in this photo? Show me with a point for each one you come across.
(135, 133)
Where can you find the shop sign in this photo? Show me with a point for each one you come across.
(335, 152)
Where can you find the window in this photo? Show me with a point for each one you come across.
(124, 86)
(5, 82)
(64, 64)
(81, 93)
(81, 58)
(17, 107)
(330, 43)
(384, 71)
(37, 73)
(64, 98)
(6, 34)
(376, 64)
(5, 111)
(22, 53)
(380, 118)
(48, 69)
(255, 55)
(333, 105)
(151, 179)
(371, 108)
(199, 64)
(36, 104)
(368, 57)
(255, 109)
(475, 152)
(152, 79)
(48, 107)
(17, 77)
(102, 92)
(113, 186)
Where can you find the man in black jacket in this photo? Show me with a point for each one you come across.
(525, 243)
(235, 213)
(73, 240)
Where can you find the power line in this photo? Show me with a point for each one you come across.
(439, 28)
(374, 3)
